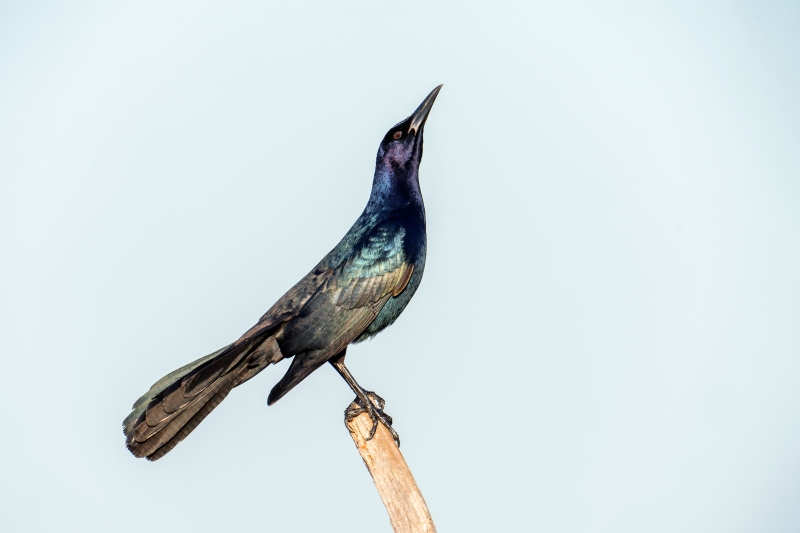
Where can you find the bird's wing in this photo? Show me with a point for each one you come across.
(289, 304)
(345, 304)
(374, 271)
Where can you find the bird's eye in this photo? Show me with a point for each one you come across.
(397, 135)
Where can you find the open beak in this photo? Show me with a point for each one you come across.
(421, 114)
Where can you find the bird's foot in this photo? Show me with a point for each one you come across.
(375, 411)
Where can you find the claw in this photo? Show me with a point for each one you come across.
(376, 414)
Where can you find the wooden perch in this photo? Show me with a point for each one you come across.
(396, 486)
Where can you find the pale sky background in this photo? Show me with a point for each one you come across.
(607, 337)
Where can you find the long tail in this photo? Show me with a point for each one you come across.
(179, 401)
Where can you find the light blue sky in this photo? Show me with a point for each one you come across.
(606, 338)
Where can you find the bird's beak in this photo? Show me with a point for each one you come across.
(421, 114)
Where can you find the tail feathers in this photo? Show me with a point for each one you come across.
(180, 427)
(178, 402)
(141, 404)
(302, 366)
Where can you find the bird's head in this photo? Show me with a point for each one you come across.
(401, 149)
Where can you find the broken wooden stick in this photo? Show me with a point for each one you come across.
(407, 510)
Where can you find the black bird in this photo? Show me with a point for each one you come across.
(357, 290)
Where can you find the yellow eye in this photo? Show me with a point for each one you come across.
(397, 135)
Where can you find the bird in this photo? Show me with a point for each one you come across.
(358, 289)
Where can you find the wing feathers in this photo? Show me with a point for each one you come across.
(404, 279)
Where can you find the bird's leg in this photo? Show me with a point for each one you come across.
(368, 402)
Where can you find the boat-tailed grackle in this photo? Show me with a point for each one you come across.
(353, 293)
